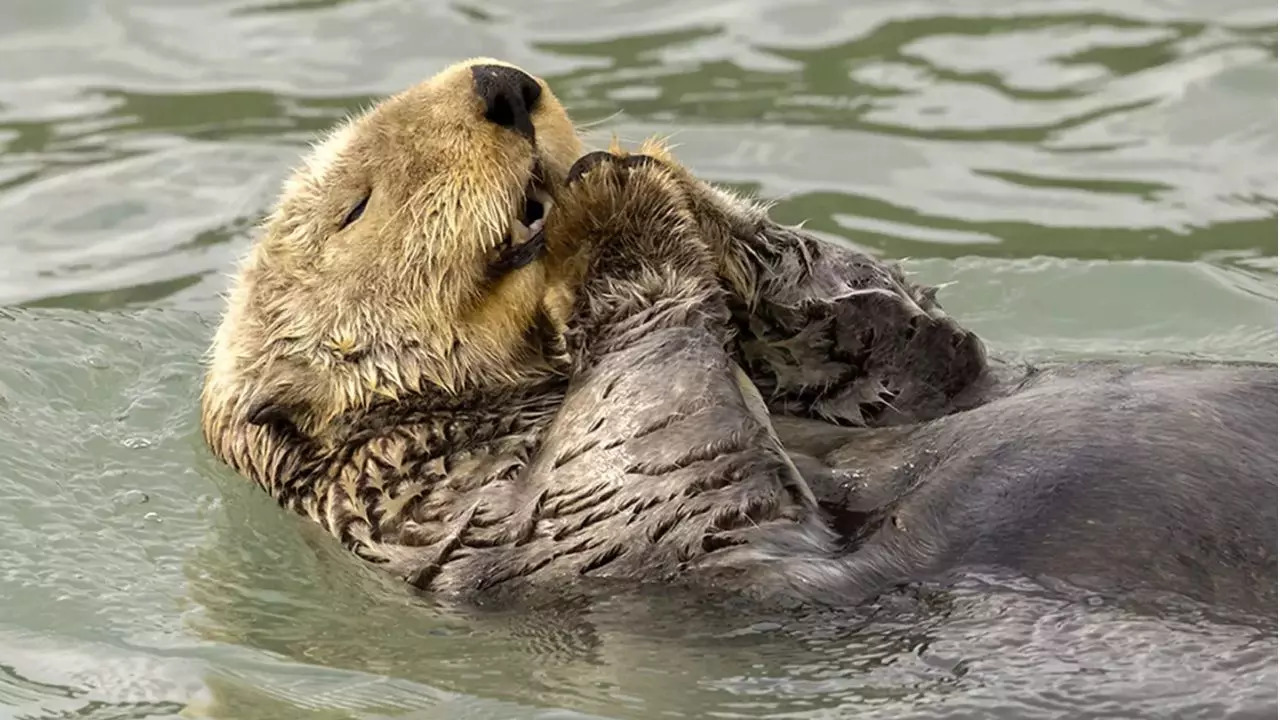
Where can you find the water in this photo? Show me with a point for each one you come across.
(1095, 178)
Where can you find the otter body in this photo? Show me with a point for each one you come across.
(1110, 476)
(489, 364)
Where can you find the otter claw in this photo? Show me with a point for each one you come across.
(586, 164)
(592, 160)
(638, 161)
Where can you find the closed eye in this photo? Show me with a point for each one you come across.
(355, 213)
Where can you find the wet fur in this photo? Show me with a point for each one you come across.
(378, 381)
(587, 416)
(930, 457)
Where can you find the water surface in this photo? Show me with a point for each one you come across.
(1091, 178)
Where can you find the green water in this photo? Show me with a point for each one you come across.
(1093, 177)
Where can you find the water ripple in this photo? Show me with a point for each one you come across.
(1092, 179)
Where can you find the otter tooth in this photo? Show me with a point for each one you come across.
(520, 233)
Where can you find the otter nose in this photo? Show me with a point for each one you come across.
(510, 96)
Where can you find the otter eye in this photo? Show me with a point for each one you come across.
(355, 213)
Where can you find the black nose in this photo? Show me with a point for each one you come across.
(509, 96)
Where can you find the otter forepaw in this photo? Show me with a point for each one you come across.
(626, 222)
(632, 206)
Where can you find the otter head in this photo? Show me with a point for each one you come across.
(403, 256)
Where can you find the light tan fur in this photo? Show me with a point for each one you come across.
(321, 321)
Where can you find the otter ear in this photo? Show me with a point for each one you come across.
(268, 411)
(275, 405)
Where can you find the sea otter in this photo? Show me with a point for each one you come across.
(491, 363)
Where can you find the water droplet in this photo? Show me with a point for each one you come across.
(136, 443)
(132, 497)
(128, 497)
(206, 504)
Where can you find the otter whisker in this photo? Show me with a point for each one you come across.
(587, 125)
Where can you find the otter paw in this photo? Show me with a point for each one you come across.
(625, 205)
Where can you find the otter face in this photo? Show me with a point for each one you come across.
(404, 254)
